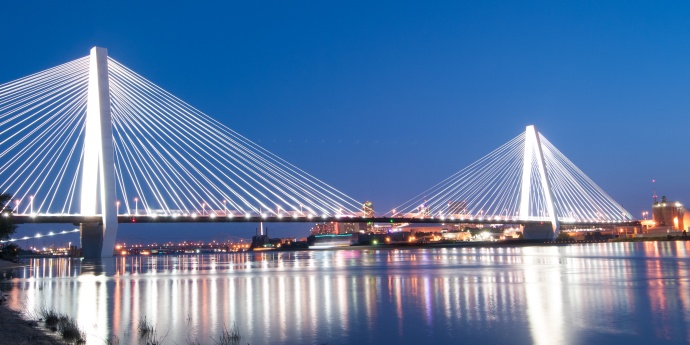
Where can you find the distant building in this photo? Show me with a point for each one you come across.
(669, 214)
(328, 228)
(346, 228)
(337, 228)
(368, 209)
(424, 210)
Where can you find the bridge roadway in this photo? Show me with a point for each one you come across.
(76, 219)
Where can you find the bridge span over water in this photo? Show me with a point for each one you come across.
(91, 142)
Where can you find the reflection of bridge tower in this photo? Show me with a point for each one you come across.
(98, 182)
(534, 156)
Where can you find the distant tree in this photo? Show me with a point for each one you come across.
(9, 251)
(7, 228)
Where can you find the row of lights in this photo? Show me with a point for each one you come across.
(39, 236)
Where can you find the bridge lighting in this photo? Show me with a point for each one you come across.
(248, 216)
(294, 215)
(38, 235)
(50, 233)
(136, 206)
(193, 215)
(117, 204)
(310, 216)
(31, 204)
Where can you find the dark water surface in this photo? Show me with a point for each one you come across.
(613, 293)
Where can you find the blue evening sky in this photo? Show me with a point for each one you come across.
(384, 99)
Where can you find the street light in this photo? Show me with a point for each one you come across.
(136, 206)
(31, 204)
(225, 207)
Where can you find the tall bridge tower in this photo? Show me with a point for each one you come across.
(533, 154)
(98, 182)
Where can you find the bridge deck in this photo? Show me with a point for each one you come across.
(76, 219)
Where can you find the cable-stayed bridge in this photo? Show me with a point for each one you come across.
(91, 142)
(527, 181)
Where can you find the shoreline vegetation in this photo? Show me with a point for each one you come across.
(49, 327)
(17, 329)
(46, 326)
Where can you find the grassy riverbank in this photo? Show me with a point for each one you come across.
(14, 328)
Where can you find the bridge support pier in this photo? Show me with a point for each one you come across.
(91, 236)
(541, 232)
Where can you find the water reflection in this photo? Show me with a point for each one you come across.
(613, 293)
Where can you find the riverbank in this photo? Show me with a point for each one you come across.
(15, 329)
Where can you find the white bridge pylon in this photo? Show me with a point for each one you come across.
(98, 177)
(525, 180)
(93, 138)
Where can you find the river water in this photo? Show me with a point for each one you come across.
(605, 293)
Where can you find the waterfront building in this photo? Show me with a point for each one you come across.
(669, 214)
(337, 228)
(327, 228)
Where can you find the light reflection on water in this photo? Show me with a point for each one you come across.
(618, 293)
